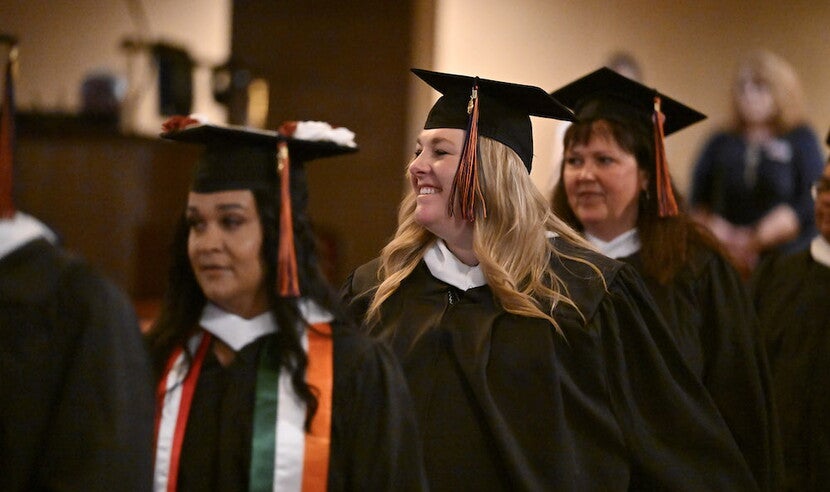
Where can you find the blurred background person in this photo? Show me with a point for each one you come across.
(751, 182)
(77, 405)
(792, 295)
(616, 189)
(262, 383)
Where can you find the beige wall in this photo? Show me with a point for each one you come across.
(688, 50)
(61, 42)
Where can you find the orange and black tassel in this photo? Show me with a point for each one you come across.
(466, 177)
(287, 279)
(666, 202)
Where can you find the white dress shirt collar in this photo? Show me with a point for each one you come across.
(237, 332)
(626, 244)
(444, 266)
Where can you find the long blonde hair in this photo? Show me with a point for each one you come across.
(511, 244)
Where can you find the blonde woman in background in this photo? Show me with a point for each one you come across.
(751, 182)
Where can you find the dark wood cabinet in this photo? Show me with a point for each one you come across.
(111, 198)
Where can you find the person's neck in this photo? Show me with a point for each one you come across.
(621, 246)
(463, 250)
(608, 234)
(758, 132)
(248, 310)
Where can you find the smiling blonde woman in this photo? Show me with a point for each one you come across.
(534, 362)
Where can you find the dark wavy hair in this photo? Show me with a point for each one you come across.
(667, 242)
(184, 300)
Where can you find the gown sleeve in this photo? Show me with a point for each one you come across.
(356, 301)
(790, 294)
(671, 427)
(377, 432)
(819, 449)
(709, 312)
(100, 433)
(736, 371)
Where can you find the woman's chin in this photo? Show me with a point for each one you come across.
(425, 218)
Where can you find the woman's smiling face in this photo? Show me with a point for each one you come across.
(431, 174)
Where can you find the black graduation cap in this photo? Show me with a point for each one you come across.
(504, 108)
(237, 157)
(240, 158)
(604, 93)
(489, 108)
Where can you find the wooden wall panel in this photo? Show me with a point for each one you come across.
(347, 63)
(114, 198)
(111, 198)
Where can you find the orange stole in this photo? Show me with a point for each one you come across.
(319, 375)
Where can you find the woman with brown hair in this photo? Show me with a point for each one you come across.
(616, 189)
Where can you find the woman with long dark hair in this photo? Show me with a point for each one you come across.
(262, 383)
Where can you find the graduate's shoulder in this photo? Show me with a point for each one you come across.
(576, 263)
(590, 278)
(780, 270)
(364, 277)
(357, 351)
(39, 272)
(703, 259)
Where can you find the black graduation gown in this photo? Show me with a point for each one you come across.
(374, 441)
(708, 309)
(77, 405)
(792, 296)
(506, 403)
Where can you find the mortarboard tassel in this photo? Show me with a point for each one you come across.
(287, 279)
(466, 177)
(666, 202)
(7, 208)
